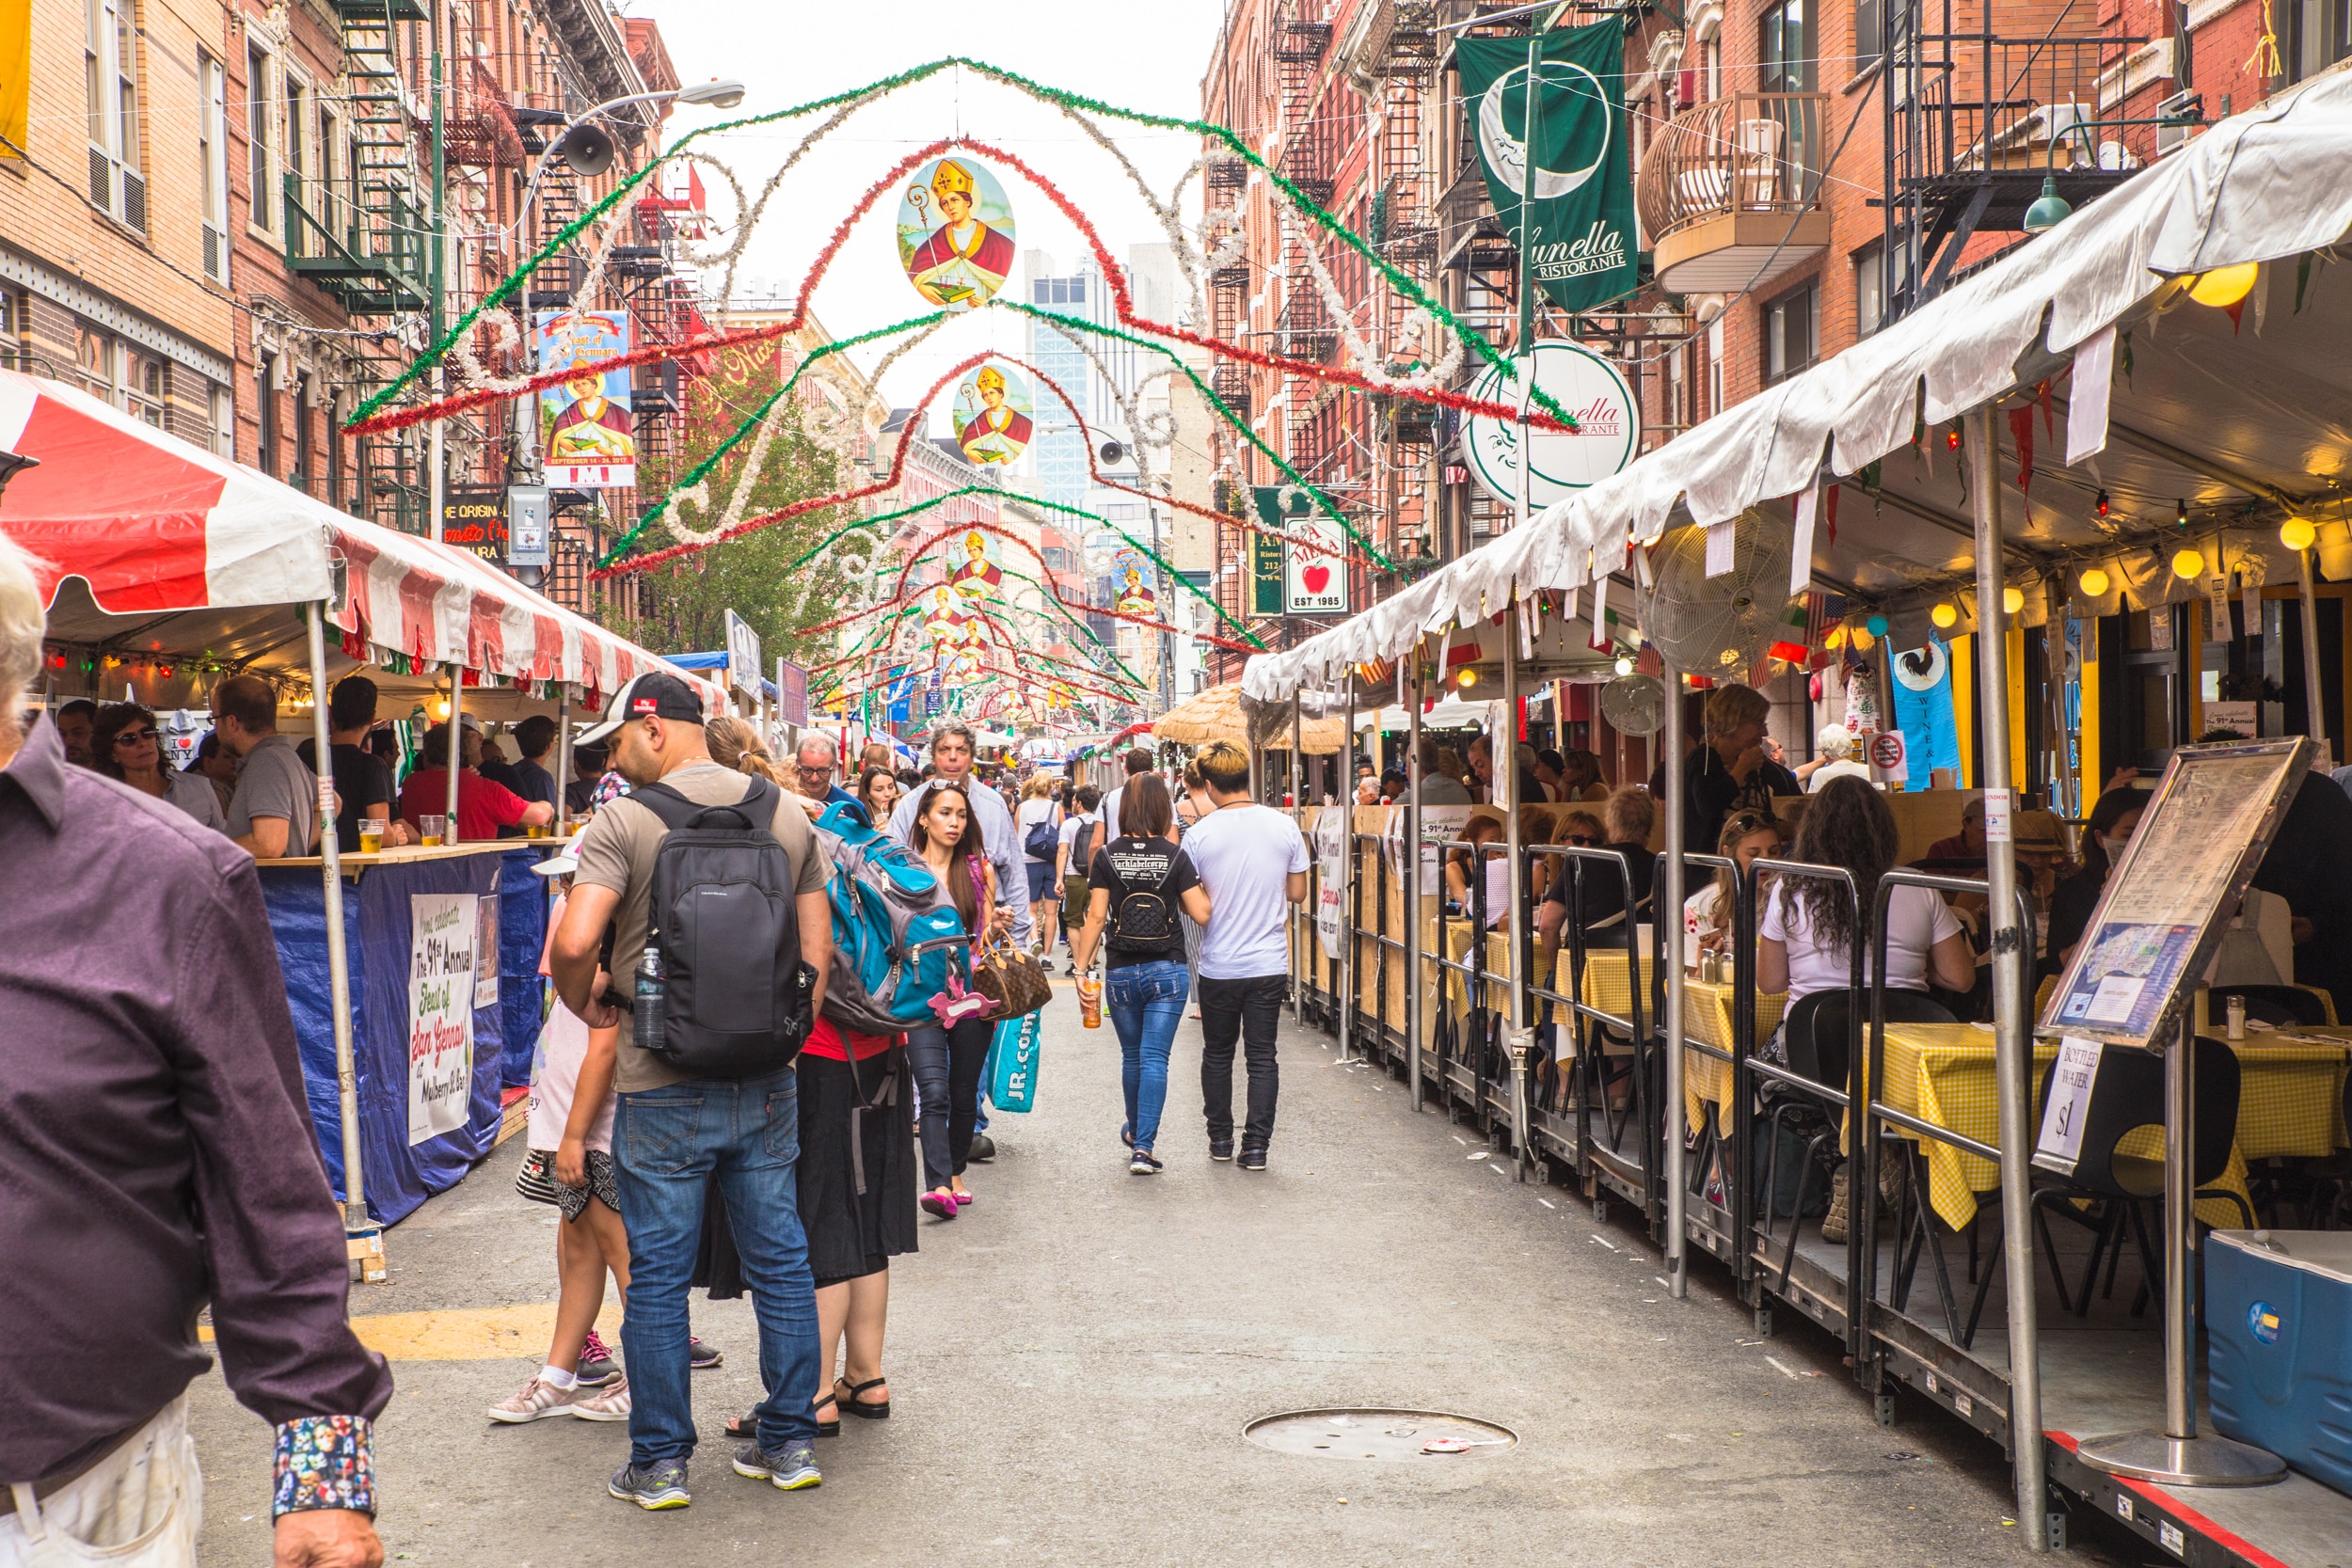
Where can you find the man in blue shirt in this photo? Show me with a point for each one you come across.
(815, 760)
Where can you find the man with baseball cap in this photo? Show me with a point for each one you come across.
(671, 1133)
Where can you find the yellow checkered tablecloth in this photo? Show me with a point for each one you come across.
(1707, 1003)
(2290, 1102)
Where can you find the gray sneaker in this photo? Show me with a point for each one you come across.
(662, 1485)
(791, 1469)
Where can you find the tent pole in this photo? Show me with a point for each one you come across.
(456, 744)
(1409, 864)
(563, 757)
(1299, 815)
(1667, 941)
(1347, 873)
(338, 958)
(2315, 718)
(1503, 749)
(2012, 1042)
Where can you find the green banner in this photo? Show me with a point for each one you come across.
(1582, 247)
(1266, 553)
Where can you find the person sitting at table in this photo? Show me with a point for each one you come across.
(483, 807)
(1579, 828)
(1482, 830)
(1835, 744)
(1579, 777)
(1601, 892)
(1706, 914)
(1967, 843)
(125, 744)
(2104, 836)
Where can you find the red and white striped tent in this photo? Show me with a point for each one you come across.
(187, 555)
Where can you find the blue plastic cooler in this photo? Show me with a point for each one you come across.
(2278, 1330)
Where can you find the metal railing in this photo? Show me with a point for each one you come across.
(1742, 152)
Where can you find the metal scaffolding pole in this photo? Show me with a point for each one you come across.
(1666, 938)
(1409, 864)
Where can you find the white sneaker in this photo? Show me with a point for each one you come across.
(604, 1405)
(536, 1401)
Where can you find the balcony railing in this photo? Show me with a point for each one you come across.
(1743, 152)
(373, 259)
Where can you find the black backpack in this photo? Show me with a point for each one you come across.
(1082, 850)
(738, 991)
(1143, 917)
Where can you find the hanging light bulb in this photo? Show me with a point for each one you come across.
(2012, 600)
(2225, 286)
(1466, 679)
(2095, 582)
(2187, 562)
(2180, 513)
(1877, 624)
(1863, 638)
(1945, 616)
(440, 707)
(1623, 665)
(2102, 504)
(2296, 534)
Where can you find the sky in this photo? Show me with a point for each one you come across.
(1148, 58)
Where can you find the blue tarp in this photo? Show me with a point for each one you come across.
(377, 931)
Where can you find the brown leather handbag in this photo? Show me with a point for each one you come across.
(1011, 978)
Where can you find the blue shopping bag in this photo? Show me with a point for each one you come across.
(1012, 1062)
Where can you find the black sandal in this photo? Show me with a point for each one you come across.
(747, 1426)
(870, 1412)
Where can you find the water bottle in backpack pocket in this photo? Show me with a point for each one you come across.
(722, 974)
(896, 933)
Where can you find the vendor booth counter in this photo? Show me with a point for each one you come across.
(387, 950)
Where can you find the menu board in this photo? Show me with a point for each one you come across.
(2204, 829)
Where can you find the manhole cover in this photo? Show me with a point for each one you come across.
(1361, 1434)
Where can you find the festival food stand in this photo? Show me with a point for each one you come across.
(167, 568)
(2176, 347)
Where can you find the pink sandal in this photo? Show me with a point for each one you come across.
(941, 1205)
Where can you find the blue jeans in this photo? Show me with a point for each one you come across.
(1146, 1003)
(666, 1142)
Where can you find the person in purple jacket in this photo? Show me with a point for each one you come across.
(155, 1158)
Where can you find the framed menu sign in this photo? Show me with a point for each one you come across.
(2159, 917)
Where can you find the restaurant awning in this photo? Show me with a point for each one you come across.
(184, 549)
(2233, 418)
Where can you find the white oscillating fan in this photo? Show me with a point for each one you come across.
(1719, 627)
(1634, 704)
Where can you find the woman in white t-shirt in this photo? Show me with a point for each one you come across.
(1806, 936)
(1748, 836)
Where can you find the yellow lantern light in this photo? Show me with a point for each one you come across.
(2296, 534)
(2095, 582)
(440, 707)
(2012, 600)
(2187, 562)
(1945, 616)
(2225, 286)
(1862, 639)
(1466, 679)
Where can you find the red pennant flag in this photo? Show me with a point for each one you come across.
(2020, 426)
(1829, 512)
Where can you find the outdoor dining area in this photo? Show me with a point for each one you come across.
(2004, 1041)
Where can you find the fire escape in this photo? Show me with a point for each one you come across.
(1227, 179)
(1404, 226)
(1305, 328)
(1976, 120)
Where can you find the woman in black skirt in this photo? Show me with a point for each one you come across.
(857, 1187)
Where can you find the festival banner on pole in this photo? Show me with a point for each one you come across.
(1582, 243)
(442, 932)
(584, 422)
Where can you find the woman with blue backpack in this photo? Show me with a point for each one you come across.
(1137, 884)
(947, 1060)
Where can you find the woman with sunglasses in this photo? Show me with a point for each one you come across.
(1580, 828)
(1748, 835)
(126, 745)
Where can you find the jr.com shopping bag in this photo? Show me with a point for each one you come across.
(1012, 1062)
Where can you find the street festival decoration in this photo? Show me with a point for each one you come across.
(992, 416)
(584, 425)
(442, 984)
(954, 240)
(1578, 234)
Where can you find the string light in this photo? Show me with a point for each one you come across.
(2225, 286)
(2012, 600)
(2180, 513)
(1945, 616)
(2187, 562)
(2102, 504)
(2095, 582)
(1623, 665)
(1466, 679)
(2296, 534)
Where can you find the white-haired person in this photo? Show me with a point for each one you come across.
(1834, 758)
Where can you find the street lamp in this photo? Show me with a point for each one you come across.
(590, 150)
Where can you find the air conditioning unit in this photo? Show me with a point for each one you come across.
(2176, 118)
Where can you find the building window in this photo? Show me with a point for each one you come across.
(1870, 289)
(94, 362)
(1785, 63)
(2319, 33)
(257, 124)
(1790, 342)
(302, 431)
(16, 332)
(212, 156)
(223, 410)
(1870, 34)
(334, 458)
(265, 415)
(110, 55)
(142, 385)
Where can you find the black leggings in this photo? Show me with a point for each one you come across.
(948, 1067)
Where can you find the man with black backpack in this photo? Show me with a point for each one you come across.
(699, 909)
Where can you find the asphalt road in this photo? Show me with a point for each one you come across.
(1074, 1360)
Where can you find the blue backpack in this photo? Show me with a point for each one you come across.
(896, 933)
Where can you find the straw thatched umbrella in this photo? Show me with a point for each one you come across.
(1218, 714)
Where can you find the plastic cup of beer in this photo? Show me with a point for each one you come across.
(435, 830)
(370, 836)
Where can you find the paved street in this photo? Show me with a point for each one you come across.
(1074, 1360)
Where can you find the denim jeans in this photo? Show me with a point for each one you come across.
(1247, 1009)
(1146, 1002)
(666, 1142)
(948, 1064)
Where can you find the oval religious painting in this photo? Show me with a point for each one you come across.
(955, 233)
(992, 414)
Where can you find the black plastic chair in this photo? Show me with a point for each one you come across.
(2128, 1094)
(1816, 1035)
